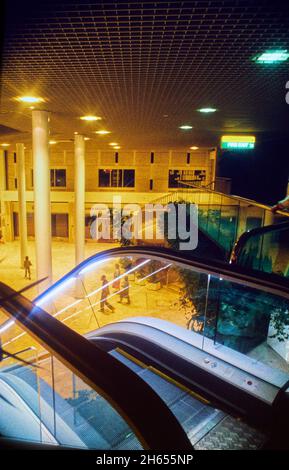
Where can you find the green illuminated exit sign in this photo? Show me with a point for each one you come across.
(238, 142)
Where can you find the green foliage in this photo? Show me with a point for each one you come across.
(280, 321)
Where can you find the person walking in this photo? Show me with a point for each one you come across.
(27, 264)
(281, 205)
(116, 282)
(124, 292)
(104, 295)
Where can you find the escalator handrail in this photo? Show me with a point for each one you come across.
(246, 236)
(143, 410)
(235, 198)
(270, 283)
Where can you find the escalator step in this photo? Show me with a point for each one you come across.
(231, 434)
(169, 392)
(131, 364)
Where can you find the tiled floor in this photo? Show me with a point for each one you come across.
(62, 261)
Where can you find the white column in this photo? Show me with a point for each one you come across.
(22, 217)
(42, 213)
(2, 189)
(79, 195)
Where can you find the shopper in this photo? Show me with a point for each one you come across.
(27, 264)
(116, 277)
(281, 205)
(124, 291)
(104, 295)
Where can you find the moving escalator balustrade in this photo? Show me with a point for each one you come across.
(210, 340)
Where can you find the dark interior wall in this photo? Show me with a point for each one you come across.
(260, 174)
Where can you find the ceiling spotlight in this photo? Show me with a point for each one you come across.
(116, 147)
(75, 133)
(186, 127)
(113, 144)
(30, 99)
(5, 145)
(52, 142)
(271, 57)
(90, 117)
(102, 132)
(86, 138)
(207, 110)
(194, 147)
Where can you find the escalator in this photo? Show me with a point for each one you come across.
(198, 349)
(202, 404)
(222, 218)
(264, 249)
(41, 392)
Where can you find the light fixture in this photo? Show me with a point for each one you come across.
(75, 133)
(86, 138)
(90, 117)
(52, 142)
(116, 147)
(207, 110)
(30, 99)
(102, 132)
(113, 144)
(272, 57)
(186, 127)
(5, 145)
(194, 147)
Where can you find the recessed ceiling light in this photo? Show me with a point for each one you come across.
(186, 127)
(207, 110)
(90, 117)
(271, 57)
(194, 147)
(113, 144)
(116, 147)
(75, 133)
(30, 99)
(86, 138)
(102, 132)
(52, 142)
(5, 145)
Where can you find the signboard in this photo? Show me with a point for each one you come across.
(238, 142)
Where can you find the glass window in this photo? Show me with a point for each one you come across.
(128, 178)
(58, 178)
(174, 177)
(104, 178)
(185, 175)
(116, 178)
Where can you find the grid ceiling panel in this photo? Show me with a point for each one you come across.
(146, 67)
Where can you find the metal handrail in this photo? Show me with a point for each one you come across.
(235, 198)
(271, 283)
(243, 239)
(139, 405)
